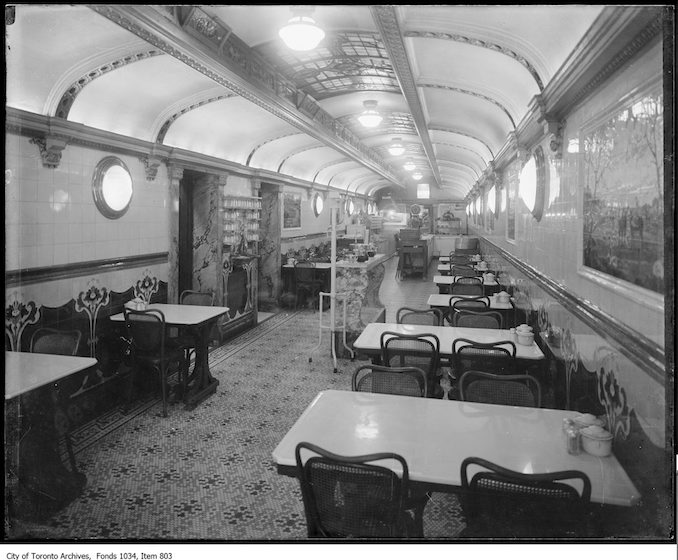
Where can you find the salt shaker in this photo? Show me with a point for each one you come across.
(573, 441)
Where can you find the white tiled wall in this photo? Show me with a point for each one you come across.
(51, 219)
(552, 244)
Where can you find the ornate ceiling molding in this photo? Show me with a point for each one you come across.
(460, 147)
(268, 141)
(315, 146)
(474, 94)
(474, 41)
(462, 133)
(208, 46)
(386, 20)
(68, 98)
(160, 138)
(452, 164)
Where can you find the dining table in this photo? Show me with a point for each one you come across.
(522, 439)
(36, 475)
(196, 321)
(369, 341)
(505, 309)
(445, 282)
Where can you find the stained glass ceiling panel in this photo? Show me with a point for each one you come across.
(347, 61)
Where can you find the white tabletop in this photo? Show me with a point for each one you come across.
(370, 338)
(25, 371)
(439, 279)
(443, 300)
(176, 314)
(528, 440)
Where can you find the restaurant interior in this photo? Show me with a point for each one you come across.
(395, 273)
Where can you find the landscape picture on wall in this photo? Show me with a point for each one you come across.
(624, 193)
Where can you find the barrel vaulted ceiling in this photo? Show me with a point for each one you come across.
(452, 82)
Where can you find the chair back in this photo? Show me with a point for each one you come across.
(477, 319)
(473, 303)
(408, 381)
(54, 341)
(193, 297)
(502, 503)
(420, 350)
(304, 272)
(456, 258)
(351, 497)
(472, 280)
(493, 357)
(512, 390)
(412, 316)
(147, 331)
(466, 288)
(461, 270)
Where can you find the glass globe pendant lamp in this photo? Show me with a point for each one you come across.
(301, 32)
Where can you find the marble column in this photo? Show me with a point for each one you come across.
(270, 284)
(175, 173)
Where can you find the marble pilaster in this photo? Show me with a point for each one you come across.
(175, 175)
(270, 283)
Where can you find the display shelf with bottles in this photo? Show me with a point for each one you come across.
(241, 217)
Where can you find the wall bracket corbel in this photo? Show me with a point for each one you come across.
(50, 148)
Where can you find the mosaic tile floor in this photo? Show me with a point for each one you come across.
(207, 474)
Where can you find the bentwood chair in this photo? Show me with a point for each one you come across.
(493, 357)
(477, 319)
(354, 498)
(461, 270)
(152, 348)
(457, 305)
(53, 341)
(412, 316)
(194, 297)
(306, 281)
(469, 286)
(407, 381)
(459, 259)
(500, 503)
(418, 350)
(512, 390)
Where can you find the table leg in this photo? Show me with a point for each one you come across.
(200, 383)
(40, 483)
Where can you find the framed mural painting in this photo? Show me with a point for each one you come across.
(291, 211)
(622, 173)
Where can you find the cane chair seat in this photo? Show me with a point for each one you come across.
(407, 381)
(512, 390)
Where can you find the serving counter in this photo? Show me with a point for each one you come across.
(358, 283)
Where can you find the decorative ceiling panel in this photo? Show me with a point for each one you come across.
(344, 62)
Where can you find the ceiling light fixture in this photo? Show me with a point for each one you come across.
(370, 117)
(409, 166)
(301, 32)
(396, 148)
(417, 175)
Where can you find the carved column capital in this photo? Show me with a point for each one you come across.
(176, 173)
(151, 165)
(50, 150)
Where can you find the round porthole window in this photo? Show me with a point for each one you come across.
(532, 183)
(318, 204)
(112, 187)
